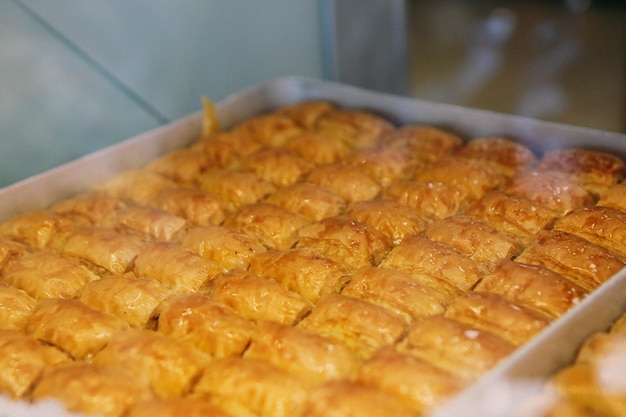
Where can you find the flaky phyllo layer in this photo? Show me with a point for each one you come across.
(311, 261)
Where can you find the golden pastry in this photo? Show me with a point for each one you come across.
(210, 326)
(517, 217)
(177, 268)
(533, 286)
(103, 248)
(92, 389)
(10, 251)
(183, 166)
(345, 240)
(148, 223)
(484, 244)
(452, 270)
(393, 219)
(306, 113)
(48, 275)
(318, 148)
(425, 143)
(277, 166)
(603, 226)
(125, 296)
(360, 325)
(504, 155)
(347, 181)
(228, 248)
(431, 200)
(22, 360)
(136, 186)
(273, 226)
(594, 170)
(175, 407)
(473, 177)
(459, 348)
(308, 355)
(308, 200)
(302, 271)
(494, 313)
(256, 387)
(15, 307)
(168, 366)
(39, 229)
(235, 186)
(418, 383)
(397, 291)
(196, 206)
(270, 129)
(225, 149)
(265, 299)
(585, 263)
(614, 197)
(72, 326)
(385, 165)
(560, 194)
(88, 209)
(357, 128)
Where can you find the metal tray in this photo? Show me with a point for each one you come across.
(505, 386)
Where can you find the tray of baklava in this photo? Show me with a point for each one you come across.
(307, 248)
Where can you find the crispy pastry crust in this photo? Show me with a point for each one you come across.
(308, 200)
(306, 113)
(237, 187)
(431, 200)
(385, 165)
(318, 148)
(175, 407)
(505, 156)
(15, 307)
(614, 197)
(425, 143)
(357, 128)
(269, 129)
(194, 205)
(346, 181)
(277, 166)
(42, 229)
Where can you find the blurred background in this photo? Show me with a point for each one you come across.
(79, 75)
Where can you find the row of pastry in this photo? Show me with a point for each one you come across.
(315, 259)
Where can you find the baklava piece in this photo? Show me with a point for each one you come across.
(318, 148)
(494, 313)
(308, 355)
(103, 248)
(603, 226)
(92, 389)
(251, 387)
(451, 271)
(596, 171)
(38, 229)
(385, 165)
(88, 209)
(559, 194)
(614, 197)
(348, 398)
(10, 251)
(416, 382)
(505, 156)
(183, 166)
(125, 296)
(533, 286)
(168, 366)
(73, 327)
(391, 218)
(517, 217)
(264, 299)
(147, 223)
(270, 129)
(431, 200)
(302, 271)
(22, 360)
(459, 348)
(177, 268)
(362, 326)
(473, 177)
(136, 186)
(47, 275)
(345, 240)
(308, 200)
(175, 407)
(396, 291)
(306, 113)
(278, 166)
(199, 208)
(424, 143)
(272, 225)
(210, 326)
(346, 181)
(228, 248)
(16, 306)
(237, 187)
(484, 244)
(585, 263)
(225, 149)
(357, 128)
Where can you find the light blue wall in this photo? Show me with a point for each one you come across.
(78, 75)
